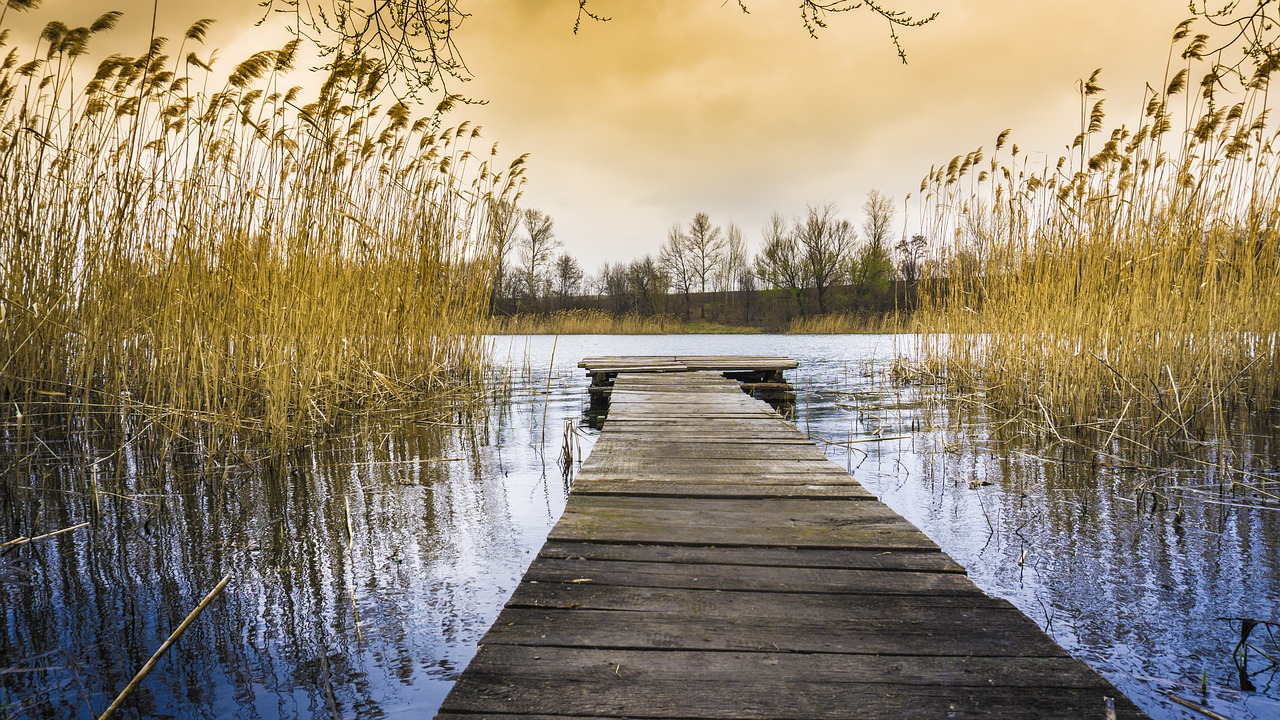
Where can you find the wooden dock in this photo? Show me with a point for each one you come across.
(712, 563)
(760, 376)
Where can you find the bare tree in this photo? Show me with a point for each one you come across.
(648, 284)
(911, 257)
(779, 262)
(705, 244)
(503, 222)
(746, 287)
(676, 260)
(877, 220)
(415, 42)
(871, 268)
(1251, 28)
(825, 242)
(536, 250)
(612, 283)
(568, 278)
(733, 260)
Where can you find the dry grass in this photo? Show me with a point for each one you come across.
(1137, 279)
(600, 322)
(845, 324)
(225, 252)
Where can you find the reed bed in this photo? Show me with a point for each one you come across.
(1136, 281)
(228, 250)
(848, 324)
(601, 322)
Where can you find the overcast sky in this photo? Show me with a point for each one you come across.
(680, 106)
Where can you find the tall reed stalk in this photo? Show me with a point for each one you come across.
(1138, 278)
(225, 252)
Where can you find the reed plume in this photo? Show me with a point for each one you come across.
(227, 252)
(1138, 277)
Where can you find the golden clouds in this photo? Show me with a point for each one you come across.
(676, 106)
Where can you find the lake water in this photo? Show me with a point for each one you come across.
(366, 568)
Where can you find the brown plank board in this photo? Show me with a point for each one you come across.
(918, 560)
(669, 467)
(637, 363)
(778, 513)
(711, 562)
(712, 451)
(638, 436)
(884, 536)
(721, 473)
(746, 578)
(684, 684)
(927, 631)
(724, 605)
(746, 427)
(829, 523)
(746, 490)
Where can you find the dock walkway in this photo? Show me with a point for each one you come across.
(713, 563)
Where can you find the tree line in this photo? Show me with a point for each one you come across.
(817, 262)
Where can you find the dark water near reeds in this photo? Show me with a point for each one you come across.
(365, 570)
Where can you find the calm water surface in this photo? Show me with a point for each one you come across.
(366, 569)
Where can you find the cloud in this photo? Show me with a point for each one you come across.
(674, 107)
(679, 106)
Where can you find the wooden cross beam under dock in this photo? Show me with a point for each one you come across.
(713, 563)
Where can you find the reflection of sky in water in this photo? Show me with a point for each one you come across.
(377, 620)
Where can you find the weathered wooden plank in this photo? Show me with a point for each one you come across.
(628, 393)
(744, 423)
(684, 467)
(635, 437)
(684, 391)
(827, 608)
(779, 453)
(683, 684)
(523, 716)
(725, 473)
(693, 362)
(894, 537)
(744, 490)
(669, 382)
(927, 631)
(692, 410)
(711, 451)
(729, 521)
(917, 560)
(830, 523)
(688, 406)
(711, 392)
(745, 578)
(638, 366)
(780, 512)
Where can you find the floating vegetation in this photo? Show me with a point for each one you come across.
(228, 251)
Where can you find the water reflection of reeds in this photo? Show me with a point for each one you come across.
(356, 565)
(1134, 555)
(1131, 554)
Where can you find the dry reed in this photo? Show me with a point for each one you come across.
(600, 322)
(226, 253)
(846, 324)
(1138, 278)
